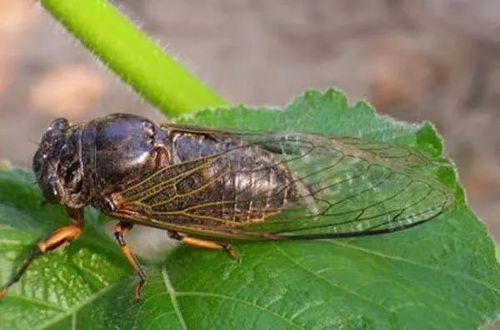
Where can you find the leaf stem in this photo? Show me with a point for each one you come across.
(134, 56)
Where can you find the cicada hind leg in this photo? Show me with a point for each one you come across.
(59, 239)
(204, 244)
(122, 229)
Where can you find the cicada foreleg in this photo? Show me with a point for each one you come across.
(59, 239)
(204, 244)
(122, 229)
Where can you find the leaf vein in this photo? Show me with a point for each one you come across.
(77, 307)
(173, 297)
(438, 270)
(355, 294)
(249, 303)
(38, 302)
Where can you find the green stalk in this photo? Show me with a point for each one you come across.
(134, 56)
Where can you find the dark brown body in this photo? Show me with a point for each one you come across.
(245, 184)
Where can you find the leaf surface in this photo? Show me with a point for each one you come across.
(442, 274)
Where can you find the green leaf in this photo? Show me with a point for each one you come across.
(442, 274)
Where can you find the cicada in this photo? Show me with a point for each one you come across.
(209, 187)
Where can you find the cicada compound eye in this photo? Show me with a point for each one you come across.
(51, 190)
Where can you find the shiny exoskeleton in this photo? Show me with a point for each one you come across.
(201, 184)
(76, 163)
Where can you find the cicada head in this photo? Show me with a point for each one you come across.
(57, 165)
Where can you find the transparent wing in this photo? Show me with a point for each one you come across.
(350, 187)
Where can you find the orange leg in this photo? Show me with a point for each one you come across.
(122, 229)
(59, 239)
(203, 244)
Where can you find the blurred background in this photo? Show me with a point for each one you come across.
(436, 60)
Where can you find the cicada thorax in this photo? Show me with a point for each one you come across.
(117, 151)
